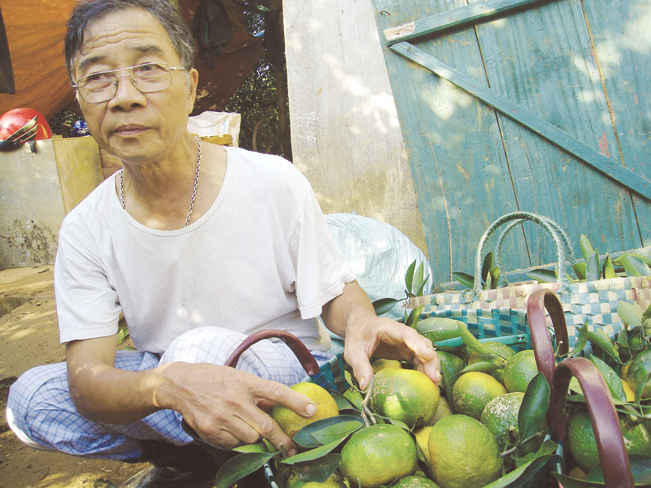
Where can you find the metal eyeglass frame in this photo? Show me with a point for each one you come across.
(133, 79)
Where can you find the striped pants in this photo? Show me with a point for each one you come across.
(42, 415)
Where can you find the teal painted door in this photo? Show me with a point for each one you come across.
(525, 105)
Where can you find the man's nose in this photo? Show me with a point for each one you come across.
(126, 92)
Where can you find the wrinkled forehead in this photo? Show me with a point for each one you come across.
(122, 35)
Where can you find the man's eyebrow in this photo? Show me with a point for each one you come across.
(144, 49)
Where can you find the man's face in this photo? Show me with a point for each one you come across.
(135, 126)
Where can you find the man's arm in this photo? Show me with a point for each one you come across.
(351, 316)
(224, 405)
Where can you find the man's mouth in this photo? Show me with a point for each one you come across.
(129, 129)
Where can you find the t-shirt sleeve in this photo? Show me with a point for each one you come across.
(87, 306)
(321, 267)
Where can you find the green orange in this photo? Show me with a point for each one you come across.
(472, 392)
(520, 370)
(463, 453)
(378, 455)
(404, 395)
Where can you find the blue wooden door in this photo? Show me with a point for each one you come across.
(539, 106)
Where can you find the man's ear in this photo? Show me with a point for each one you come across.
(193, 80)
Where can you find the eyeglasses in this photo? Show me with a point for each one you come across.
(147, 78)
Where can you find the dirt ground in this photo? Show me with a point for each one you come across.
(28, 338)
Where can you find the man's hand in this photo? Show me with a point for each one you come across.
(223, 405)
(351, 316)
(229, 407)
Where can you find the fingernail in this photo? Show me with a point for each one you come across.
(362, 383)
(310, 409)
(291, 452)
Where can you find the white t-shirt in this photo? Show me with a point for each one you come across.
(260, 258)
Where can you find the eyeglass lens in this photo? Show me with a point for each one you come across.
(102, 86)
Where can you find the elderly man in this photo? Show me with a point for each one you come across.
(198, 246)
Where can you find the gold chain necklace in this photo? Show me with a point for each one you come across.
(194, 190)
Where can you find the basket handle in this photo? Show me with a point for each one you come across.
(500, 240)
(610, 442)
(520, 217)
(541, 343)
(298, 348)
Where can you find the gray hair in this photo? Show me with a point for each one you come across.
(89, 11)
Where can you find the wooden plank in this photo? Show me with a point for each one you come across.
(621, 46)
(530, 120)
(456, 18)
(542, 59)
(455, 153)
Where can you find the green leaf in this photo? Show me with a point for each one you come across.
(640, 386)
(240, 466)
(257, 447)
(582, 340)
(481, 366)
(599, 338)
(613, 381)
(586, 247)
(543, 275)
(464, 278)
(337, 431)
(313, 454)
(521, 476)
(383, 305)
(449, 378)
(495, 276)
(305, 437)
(641, 257)
(486, 267)
(568, 482)
(580, 270)
(317, 470)
(635, 267)
(418, 279)
(414, 316)
(421, 288)
(531, 417)
(609, 270)
(593, 267)
(630, 313)
(409, 276)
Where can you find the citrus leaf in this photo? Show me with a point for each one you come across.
(520, 476)
(635, 266)
(543, 275)
(582, 340)
(481, 366)
(257, 447)
(409, 276)
(495, 276)
(338, 431)
(240, 466)
(305, 438)
(531, 417)
(414, 316)
(421, 288)
(449, 378)
(486, 267)
(317, 470)
(609, 270)
(640, 387)
(464, 278)
(593, 267)
(383, 305)
(613, 381)
(641, 257)
(586, 247)
(438, 329)
(313, 454)
(418, 279)
(630, 313)
(601, 339)
(579, 270)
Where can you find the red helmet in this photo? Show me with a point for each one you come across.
(23, 125)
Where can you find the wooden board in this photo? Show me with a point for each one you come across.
(472, 164)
